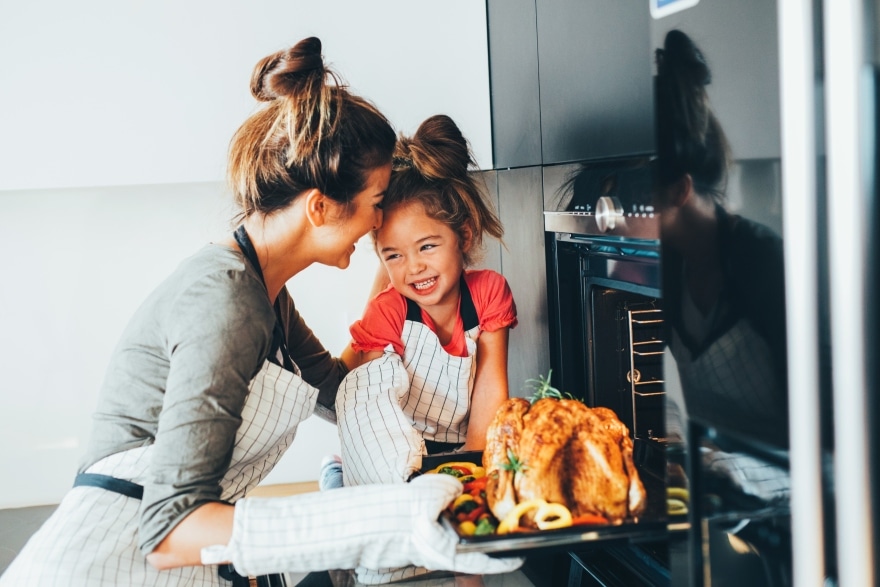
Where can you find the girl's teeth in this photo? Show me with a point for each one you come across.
(424, 284)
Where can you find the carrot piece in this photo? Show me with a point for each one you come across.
(589, 519)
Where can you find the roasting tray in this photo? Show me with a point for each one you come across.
(654, 524)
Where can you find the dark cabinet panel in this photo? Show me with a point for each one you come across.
(595, 67)
(513, 79)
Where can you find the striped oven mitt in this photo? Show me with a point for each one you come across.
(375, 526)
(378, 441)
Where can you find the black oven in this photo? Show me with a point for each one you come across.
(606, 319)
(606, 333)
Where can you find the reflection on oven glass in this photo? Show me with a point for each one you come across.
(723, 285)
(724, 308)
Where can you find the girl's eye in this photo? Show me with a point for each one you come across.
(428, 247)
(392, 256)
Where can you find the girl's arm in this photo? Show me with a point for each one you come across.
(349, 356)
(490, 385)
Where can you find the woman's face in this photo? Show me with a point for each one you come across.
(365, 214)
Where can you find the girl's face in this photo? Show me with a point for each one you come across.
(423, 256)
(365, 215)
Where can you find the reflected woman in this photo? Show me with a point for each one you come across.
(723, 283)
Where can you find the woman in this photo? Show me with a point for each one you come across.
(216, 369)
(723, 287)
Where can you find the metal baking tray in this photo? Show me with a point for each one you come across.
(653, 525)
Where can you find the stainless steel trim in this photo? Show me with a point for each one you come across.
(850, 174)
(632, 225)
(799, 199)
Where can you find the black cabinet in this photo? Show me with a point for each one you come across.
(595, 67)
(513, 81)
(570, 80)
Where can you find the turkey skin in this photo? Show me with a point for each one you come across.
(561, 451)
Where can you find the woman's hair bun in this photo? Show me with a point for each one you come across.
(680, 58)
(437, 150)
(282, 73)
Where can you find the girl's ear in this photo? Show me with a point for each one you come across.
(317, 207)
(467, 239)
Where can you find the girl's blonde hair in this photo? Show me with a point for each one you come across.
(432, 168)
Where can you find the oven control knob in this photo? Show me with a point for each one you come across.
(609, 213)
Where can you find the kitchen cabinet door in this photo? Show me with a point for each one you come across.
(513, 76)
(595, 64)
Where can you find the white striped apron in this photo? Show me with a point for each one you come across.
(91, 539)
(388, 407)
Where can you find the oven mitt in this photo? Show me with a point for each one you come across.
(379, 443)
(375, 526)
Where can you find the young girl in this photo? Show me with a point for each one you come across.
(435, 341)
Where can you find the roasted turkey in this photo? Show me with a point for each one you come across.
(561, 451)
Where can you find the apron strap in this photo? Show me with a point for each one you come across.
(121, 486)
(279, 339)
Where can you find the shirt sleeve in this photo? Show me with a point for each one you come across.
(493, 299)
(219, 330)
(319, 368)
(382, 323)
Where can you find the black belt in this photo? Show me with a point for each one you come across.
(131, 489)
(122, 486)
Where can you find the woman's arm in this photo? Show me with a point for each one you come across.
(207, 525)
(490, 385)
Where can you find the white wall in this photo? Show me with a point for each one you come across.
(114, 122)
(101, 92)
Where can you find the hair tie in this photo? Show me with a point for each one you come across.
(401, 163)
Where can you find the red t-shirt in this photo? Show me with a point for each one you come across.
(383, 319)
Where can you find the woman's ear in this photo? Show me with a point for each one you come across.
(677, 193)
(317, 207)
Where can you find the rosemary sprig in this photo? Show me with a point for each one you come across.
(514, 463)
(543, 389)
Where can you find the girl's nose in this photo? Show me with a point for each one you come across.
(416, 266)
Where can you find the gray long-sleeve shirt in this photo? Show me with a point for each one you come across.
(179, 376)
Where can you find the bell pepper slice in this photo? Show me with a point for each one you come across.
(551, 516)
(511, 520)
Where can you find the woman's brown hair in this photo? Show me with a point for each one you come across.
(312, 133)
(690, 139)
(432, 168)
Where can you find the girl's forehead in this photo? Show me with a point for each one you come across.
(410, 222)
